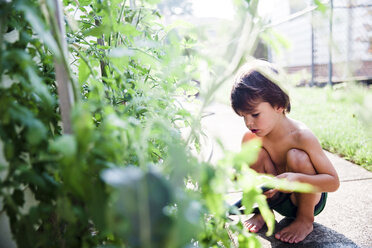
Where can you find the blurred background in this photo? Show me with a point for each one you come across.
(323, 47)
(147, 71)
(327, 44)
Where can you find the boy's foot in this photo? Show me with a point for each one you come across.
(295, 232)
(255, 223)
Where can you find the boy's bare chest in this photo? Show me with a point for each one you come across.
(278, 154)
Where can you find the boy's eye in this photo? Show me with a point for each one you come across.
(255, 115)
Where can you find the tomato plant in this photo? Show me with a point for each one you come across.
(124, 176)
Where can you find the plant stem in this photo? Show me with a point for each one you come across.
(62, 52)
(118, 21)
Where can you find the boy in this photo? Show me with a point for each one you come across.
(289, 150)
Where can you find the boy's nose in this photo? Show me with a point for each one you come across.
(248, 121)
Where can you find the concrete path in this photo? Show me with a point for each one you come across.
(347, 219)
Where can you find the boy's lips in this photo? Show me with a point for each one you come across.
(254, 130)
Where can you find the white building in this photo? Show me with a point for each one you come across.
(351, 51)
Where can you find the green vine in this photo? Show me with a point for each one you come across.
(122, 179)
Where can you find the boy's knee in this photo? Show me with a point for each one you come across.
(248, 136)
(298, 160)
(263, 155)
(263, 158)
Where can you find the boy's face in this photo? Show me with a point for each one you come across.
(262, 119)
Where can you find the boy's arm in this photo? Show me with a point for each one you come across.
(326, 179)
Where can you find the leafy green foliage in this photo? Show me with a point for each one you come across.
(125, 177)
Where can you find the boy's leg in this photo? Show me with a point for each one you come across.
(263, 164)
(299, 162)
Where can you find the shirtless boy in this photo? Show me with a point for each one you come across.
(289, 150)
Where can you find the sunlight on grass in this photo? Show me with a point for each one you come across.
(334, 117)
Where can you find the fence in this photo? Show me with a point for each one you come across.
(331, 47)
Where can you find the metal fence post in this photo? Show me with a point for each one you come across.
(330, 41)
(312, 51)
(349, 35)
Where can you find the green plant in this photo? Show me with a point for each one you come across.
(124, 176)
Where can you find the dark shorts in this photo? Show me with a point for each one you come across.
(288, 209)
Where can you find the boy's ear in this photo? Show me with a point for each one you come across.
(279, 109)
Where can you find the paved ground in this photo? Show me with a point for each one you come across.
(345, 222)
(347, 219)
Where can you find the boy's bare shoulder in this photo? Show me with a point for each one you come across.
(302, 134)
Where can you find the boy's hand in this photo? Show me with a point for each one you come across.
(270, 193)
(290, 176)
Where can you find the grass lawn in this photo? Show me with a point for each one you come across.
(335, 118)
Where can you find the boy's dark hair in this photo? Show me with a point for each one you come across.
(251, 87)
